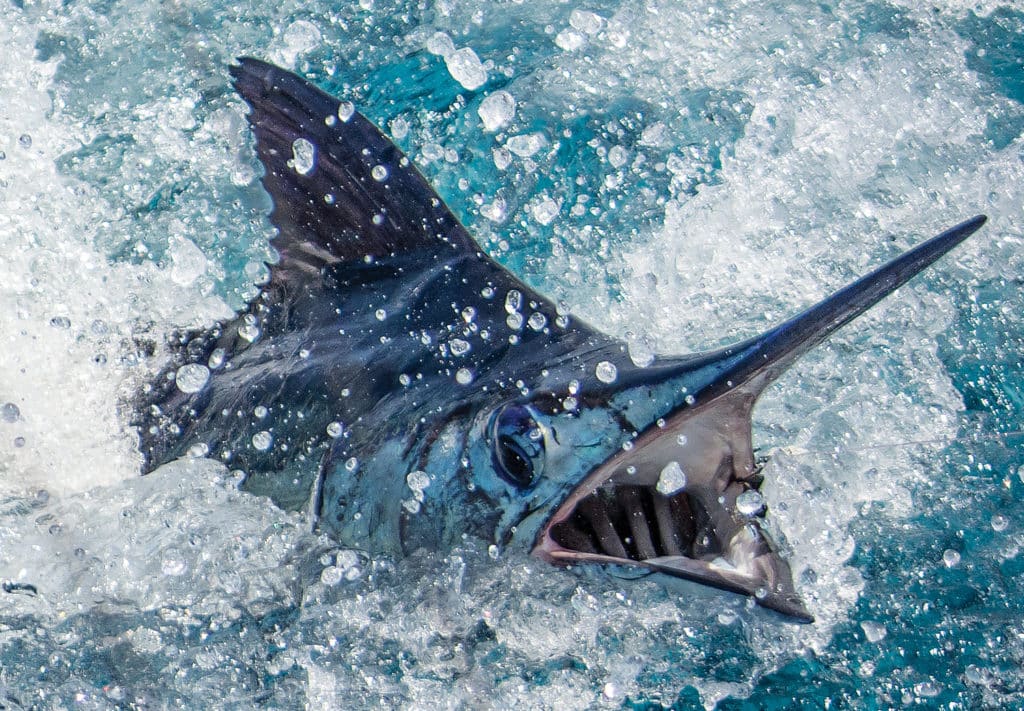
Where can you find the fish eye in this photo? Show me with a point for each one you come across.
(518, 446)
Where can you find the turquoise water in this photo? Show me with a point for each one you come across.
(679, 174)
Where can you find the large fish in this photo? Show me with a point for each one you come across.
(410, 391)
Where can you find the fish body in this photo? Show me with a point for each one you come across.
(409, 391)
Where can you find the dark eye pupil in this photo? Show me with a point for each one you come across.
(514, 463)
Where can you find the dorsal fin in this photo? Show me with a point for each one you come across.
(342, 191)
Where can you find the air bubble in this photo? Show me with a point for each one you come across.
(950, 558)
(345, 110)
(379, 173)
(334, 430)
(458, 346)
(537, 321)
(463, 376)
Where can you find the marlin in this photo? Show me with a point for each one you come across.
(409, 391)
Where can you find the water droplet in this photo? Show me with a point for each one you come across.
(617, 156)
(750, 503)
(463, 376)
(873, 631)
(412, 506)
(262, 440)
(260, 412)
(514, 321)
(999, 523)
(681, 440)
(466, 68)
(216, 358)
(493, 552)
(9, 412)
(25, 140)
(606, 371)
(404, 379)
(399, 128)
(496, 110)
(303, 156)
(345, 110)
(526, 146)
(332, 575)
(379, 173)
(198, 450)
(468, 314)
(249, 331)
(330, 119)
(334, 430)
(671, 479)
(488, 293)
(381, 314)
(690, 399)
(537, 321)
(950, 558)
(513, 301)
(173, 565)
(418, 481)
(192, 378)
(351, 464)
(19, 442)
(458, 346)
(569, 404)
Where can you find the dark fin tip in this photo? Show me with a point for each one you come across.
(351, 195)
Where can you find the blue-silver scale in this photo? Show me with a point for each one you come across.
(409, 391)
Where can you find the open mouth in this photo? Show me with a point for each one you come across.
(682, 501)
(636, 523)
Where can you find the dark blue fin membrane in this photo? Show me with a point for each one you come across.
(362, 200)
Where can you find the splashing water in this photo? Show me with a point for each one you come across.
(680, 174)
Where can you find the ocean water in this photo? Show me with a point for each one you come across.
(679, 174)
